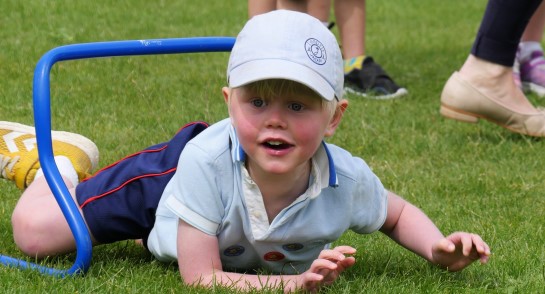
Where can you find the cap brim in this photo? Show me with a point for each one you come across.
(265, 69)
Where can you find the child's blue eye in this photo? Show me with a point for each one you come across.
(258, 102)
(296, 107)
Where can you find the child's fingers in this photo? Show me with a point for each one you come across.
(467, 244)
(460, 249)
(345, 249)
(347, 262)
(322, 266)
(337, 254)
(484, 258)
(332, 255)
(486, 254)
(319, 271)
(311, 279)
(480, 245)
(482, 248)
(331, 263)
(344, 264)
(444, 245)
(466, 241)
(474, 241)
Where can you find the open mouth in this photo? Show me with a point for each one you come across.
(276, 145)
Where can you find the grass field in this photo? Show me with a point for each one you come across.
(473, 177)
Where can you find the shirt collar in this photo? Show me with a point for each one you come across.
(323, 164)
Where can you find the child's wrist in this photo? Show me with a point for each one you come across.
(292, 285)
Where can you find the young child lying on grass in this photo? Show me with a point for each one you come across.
(260, 190)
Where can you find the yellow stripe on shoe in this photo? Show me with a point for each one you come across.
(19, 155)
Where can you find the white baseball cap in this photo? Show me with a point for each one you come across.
(287, 45)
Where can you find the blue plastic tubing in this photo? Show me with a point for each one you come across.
(42, 119)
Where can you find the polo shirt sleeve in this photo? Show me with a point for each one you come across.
(195, 195)
(369, 198)
(362, 199)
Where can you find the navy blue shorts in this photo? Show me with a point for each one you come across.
(120, 200)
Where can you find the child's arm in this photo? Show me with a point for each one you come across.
(410, 227)
(200, 264)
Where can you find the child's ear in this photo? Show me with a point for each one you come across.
(226, 93)
(337, 117)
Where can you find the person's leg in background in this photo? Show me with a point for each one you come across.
(317, 8)
(256, 7)
(484, 86)
(363, 75)
(530, 54)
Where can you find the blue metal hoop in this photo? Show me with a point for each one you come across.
(42, 119)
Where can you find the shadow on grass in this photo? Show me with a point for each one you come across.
(483, 131)
(408, 272)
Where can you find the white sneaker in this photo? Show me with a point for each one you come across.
(19, 154)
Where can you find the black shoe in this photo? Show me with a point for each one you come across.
(372, 81)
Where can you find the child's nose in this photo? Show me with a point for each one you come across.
(275, 118)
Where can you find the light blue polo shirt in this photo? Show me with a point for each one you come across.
(213, 192)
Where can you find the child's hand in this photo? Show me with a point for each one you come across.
(459, 250)
(326, 268)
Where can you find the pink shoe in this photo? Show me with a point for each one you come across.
(532, 73)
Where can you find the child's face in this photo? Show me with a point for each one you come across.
(279, 134)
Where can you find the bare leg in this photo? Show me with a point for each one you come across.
(317, 8)
(534, 29)
(39, 227)
(256, 7)
(350, 15)
(295, 5)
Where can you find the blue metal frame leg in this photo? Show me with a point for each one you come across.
(42, 120)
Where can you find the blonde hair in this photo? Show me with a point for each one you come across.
(276, 87)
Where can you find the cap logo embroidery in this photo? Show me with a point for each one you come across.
(315, 51)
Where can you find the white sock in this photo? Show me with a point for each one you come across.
(66, 169)
(325, 23)
(526, 49)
